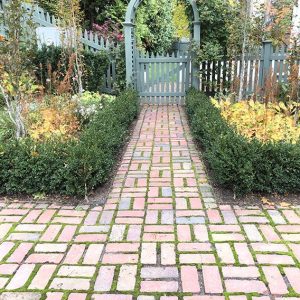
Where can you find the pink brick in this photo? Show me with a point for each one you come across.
(54, 296)
(112, 259)
(151, 217)
(19, 254)
(159, 286)
(194, 247)
(195, 203)
(184, 233)
(93, 254)
(212, 280)
(159, 228)
(74, 254)
(105, 278)
(122, 247)
(13, 212)
(168, 256)
(42, 277)
(46, 216)
(245, 286)
(225, 237)
(293, 275)
(67, 233)
(20, 277)
(97, 237)
(127, 278)
(201, 233)
(131, 213)
(225, 228)
(240, 272)
(91, 218)
(158, 237)
(189, 279)
(111, 297)
(203, 298)
(296, 250)
(291, 216)
(153, 192)
(8, 269)
(67, 220)
(225, 253)
(5, 247)
(45, 258)
(148, 253)
(288, 228)
(275, 280)
(4, 229)
(50, 233)
(269, 233)
(32, 216)
(71, 213)
(139, 203)
(77, 296)
(275, 259)
(134, 233)
(197, 258)
(243, 253)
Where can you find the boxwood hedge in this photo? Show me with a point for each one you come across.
(74, 167)
(238, 163)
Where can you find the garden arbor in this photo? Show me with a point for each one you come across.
(159, 75)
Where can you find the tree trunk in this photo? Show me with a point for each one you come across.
(244, 49)
(295, 32)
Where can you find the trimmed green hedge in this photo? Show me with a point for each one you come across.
(238, 163)
(69, 168)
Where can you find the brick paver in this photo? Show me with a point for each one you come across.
(160, 235)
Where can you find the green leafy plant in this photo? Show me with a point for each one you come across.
(15, 53)
(238, 163)
(73, 166)
(47, 62)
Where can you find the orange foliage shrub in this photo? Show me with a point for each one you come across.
(57, 118)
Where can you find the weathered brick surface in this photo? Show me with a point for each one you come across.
(160, 235)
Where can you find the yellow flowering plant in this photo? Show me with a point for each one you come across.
(265, 121)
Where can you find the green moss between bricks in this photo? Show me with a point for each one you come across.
(237, 163)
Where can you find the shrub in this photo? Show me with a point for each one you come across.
(50, 56)
(244, 165)
(72, 167)
(264, 121)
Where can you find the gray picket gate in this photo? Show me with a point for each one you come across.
(163, 79)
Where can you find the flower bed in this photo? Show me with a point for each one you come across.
(238, 162)
(63, 164)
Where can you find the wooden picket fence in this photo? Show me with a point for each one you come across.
(90, 41)
(267, 63)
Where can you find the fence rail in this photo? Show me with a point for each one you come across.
(90, 41)
(267, 62)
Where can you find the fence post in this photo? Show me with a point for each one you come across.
(267, 50)
(129, 52)
(195, 67)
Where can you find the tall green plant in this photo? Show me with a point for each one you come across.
(15, 55)
(155, 30)
(70, 22)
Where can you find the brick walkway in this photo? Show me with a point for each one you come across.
(156, 238)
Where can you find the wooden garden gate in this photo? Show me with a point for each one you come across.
(163, 79)
(159, 79)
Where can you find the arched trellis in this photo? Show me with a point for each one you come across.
(130, 36)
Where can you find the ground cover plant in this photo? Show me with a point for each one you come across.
(247, 157)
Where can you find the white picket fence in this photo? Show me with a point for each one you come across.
(90, 40)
